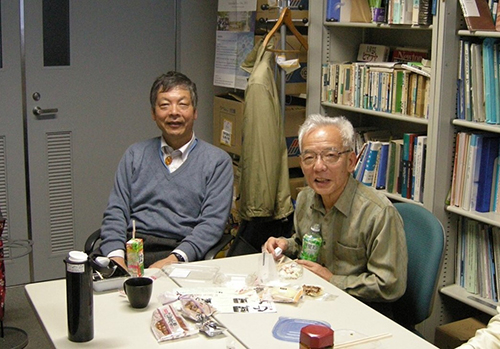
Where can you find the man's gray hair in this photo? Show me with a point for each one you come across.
(314, 121)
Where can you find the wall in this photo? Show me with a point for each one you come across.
(196, 56)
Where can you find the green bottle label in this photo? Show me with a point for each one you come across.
(310, 247)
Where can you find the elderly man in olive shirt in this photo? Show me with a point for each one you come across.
(364, 248)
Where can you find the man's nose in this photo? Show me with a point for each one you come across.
(319, 164)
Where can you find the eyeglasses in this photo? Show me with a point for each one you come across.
(328, 156)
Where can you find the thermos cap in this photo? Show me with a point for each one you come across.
(77, 256)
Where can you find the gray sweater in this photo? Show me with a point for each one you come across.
(192, 204)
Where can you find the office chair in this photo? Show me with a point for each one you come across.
(92, 243)
(425, 240)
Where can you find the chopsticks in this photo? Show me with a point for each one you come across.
(363, 340)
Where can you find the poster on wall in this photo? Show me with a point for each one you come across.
(235, 40)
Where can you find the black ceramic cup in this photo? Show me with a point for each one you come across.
(138, 290)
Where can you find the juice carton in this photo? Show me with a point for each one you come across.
(135, 257)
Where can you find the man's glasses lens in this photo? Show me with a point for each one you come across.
(327, 156)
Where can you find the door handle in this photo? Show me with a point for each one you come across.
(40, 112)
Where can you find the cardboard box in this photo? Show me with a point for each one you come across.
(227, 121)
(294, 117)
(456, 333)
(275, 12)
(227, 124)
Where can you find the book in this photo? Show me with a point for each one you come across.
(415, 12)
(417, 67)
(477, 88)
(412, 95)
(371, 161)
(373, 53)
(408, 146)
(393, 165)
(419, 103)
(460, 83)
(345, 11)
(472, 163)
(381, 179)
(488, 156)
(477, 15)
(399, 76)
(409, 54)
(475, 171)
(419, 168)
(467, 82)
(333, 11)
(362, 162)
(425, 12)
(490, 95)
(496, 186)
(496, 79)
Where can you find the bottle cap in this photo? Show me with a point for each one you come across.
(277, 251)
(316, 228)
(77, 256)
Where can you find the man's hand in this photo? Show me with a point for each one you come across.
(163, 262)
(316, 268)
(273, 242)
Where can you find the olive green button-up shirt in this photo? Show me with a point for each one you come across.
(364, 243)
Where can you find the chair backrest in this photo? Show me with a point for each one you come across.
(425, 240)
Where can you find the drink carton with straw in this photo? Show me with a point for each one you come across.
(135, 254)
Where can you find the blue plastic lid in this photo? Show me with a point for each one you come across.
(288, 329)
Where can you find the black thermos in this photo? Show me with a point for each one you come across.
(79, 297)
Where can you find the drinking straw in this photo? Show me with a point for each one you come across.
(133, 228)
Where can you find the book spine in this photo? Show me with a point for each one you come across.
(368, 174)
(382, 168)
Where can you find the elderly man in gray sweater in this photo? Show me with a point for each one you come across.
(176, 187)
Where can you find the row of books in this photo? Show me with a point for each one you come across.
(479, 81)
(478, 258)
(413, 12)
(386, 87)
(475, 178)
(397, 166)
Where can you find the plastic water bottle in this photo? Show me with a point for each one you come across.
(79, 297)
(311, 244)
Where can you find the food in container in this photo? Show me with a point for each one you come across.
(290, 270)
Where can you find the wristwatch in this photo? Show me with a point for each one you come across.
(178, 256)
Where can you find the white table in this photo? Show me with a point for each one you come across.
(343, 313)
(118, 325)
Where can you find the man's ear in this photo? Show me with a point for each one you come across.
(351, 161)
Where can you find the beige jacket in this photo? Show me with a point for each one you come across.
(264, 182)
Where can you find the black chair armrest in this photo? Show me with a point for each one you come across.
(92, 241)
(224, 240)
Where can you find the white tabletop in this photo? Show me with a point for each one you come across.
(117, 325)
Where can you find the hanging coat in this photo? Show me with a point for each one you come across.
(264, 181)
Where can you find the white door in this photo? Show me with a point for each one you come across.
(93, 89)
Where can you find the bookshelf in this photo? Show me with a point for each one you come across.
(339, 42)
